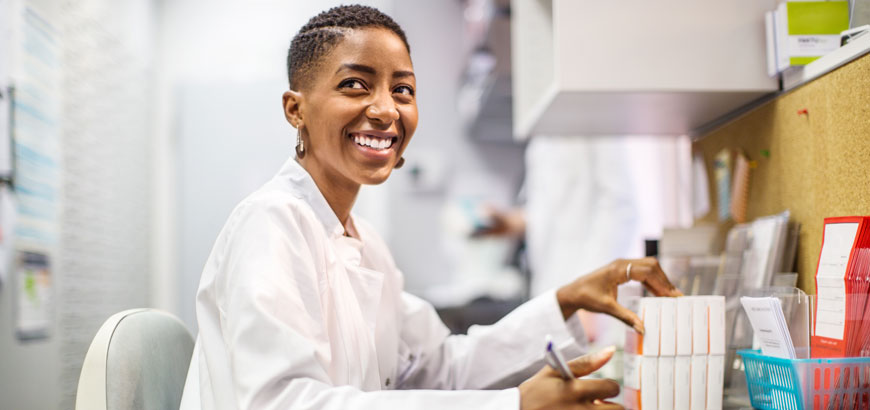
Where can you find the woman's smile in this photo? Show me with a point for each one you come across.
(378, 145)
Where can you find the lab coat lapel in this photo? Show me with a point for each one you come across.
(303, 186)
(356, 298)
(367, 284)
(377, 296)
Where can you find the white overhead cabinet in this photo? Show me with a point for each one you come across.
(605, 67)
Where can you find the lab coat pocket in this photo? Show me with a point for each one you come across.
(406, 364)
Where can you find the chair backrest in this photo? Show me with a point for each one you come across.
(138, 360)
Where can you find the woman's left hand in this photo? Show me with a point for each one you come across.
(596, 292)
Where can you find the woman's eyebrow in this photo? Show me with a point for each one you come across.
(371, 70)
(401, 74)
(356, 67)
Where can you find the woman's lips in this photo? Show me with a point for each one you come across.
(374, 141)
(375, 145)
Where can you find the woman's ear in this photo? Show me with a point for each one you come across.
(292, 111)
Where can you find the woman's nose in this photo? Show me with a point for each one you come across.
(383, 109)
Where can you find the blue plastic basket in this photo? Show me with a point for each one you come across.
(796, 384)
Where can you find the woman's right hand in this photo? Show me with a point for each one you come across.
(548, 390)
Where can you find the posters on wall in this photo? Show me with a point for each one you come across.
(37, 131)
(36, 113)
(34, 289)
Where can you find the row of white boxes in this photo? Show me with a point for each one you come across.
(679, 361)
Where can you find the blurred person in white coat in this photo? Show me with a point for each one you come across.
(587, 200)
(580, 206)
(300, 304)
(578, 213)
(581, 212)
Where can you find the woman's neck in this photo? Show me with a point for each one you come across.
(340, 193)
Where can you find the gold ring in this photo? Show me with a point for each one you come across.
(628, 272)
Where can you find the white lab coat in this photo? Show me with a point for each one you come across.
(294, 315)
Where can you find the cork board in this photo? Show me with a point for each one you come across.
(818, 163)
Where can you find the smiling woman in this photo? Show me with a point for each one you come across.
(300, 304)
(355, 111)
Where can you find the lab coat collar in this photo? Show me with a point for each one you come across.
(303, 186)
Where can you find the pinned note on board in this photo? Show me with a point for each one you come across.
(722, 173)
(700, 187)
(740, 189)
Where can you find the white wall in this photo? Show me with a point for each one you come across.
(102, 261)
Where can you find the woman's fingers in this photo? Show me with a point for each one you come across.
(591, 362)
(548, 390)
(649, 272)
(597, 389)
(626, 316)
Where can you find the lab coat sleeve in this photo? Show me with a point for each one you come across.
(488, 357)
(271, 323)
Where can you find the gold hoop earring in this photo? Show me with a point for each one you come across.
(300, 147)
(400, 163)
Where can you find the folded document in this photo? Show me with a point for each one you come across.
(768, 322)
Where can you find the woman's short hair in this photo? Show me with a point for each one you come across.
(324, 31)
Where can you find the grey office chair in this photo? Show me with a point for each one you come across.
(138, 360)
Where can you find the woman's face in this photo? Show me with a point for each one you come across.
(359, 110)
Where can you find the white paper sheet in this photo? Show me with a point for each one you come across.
(763, 259)
(38, 129)
(831, 287)
(700, 188)
(768, 323)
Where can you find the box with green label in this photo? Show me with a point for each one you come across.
(807, 30)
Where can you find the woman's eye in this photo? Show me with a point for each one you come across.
(404, 90)
(352, 84)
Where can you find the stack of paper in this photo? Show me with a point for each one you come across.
(842, 284)
(679, 362)
(799, 32)
(766, 247)
(755, 253)
(770, 327)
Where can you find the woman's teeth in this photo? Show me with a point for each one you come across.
(373, 142)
